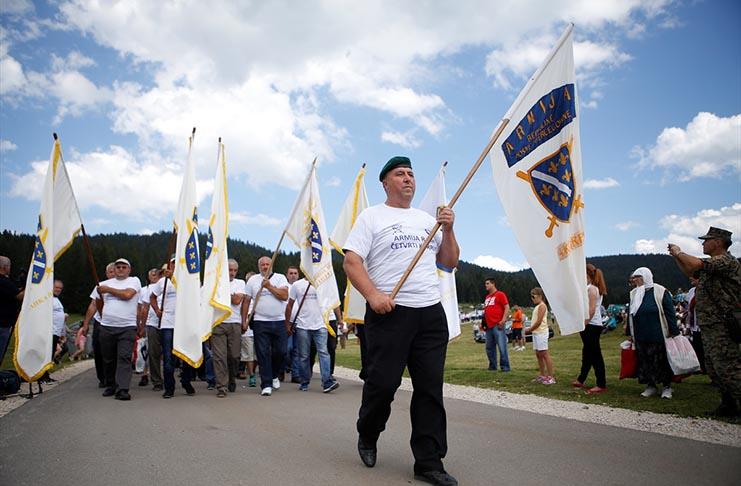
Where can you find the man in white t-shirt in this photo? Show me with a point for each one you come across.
(247, 355)
(118, 328)
(58, 329)
(150, 321)
(291, 359)
(409, 330)
(269, 293)
(226, 337)
(303, 309)
(93, 315)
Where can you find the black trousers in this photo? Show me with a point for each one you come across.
(117, 346)
(591, 355)
(360, 334)
(415, 338)
(98, 353)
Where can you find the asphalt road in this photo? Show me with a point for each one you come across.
(73, 436)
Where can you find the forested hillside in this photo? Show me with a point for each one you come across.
(147, 251)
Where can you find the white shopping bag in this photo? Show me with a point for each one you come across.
(682, 357)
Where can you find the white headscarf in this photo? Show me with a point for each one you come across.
(636, 296)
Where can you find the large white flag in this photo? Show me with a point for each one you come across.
(307, 230)
(437, 198)
(538, 174)
(58, 225)
(356, 202)
(216, 293)
(189, 331)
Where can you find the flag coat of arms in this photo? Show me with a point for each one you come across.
(190, 330)
(58, 225)
(216, 292)
(308, 232)
(434, 199)
(356, 202)
(537, 169)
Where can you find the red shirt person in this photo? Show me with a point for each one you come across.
(496, 310)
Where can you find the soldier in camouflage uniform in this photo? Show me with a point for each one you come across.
(718, 295)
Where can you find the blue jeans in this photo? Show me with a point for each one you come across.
(497, 338)
(188, 372)
(304, 337)
(270, 347)
(291, 358)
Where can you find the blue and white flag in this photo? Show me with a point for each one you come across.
(190, 330)
(57, 226)
(307, 230)
(216, 291)
(434, 199)
(538, 174)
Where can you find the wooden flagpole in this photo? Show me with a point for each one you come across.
(452, 202)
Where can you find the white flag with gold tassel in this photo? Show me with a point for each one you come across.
(58, 225)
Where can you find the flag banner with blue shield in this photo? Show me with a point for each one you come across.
(190, 330)
(538, 174)
(436, 198)
(216, 292)
(57, 226)
(356, 202)
(308, 232)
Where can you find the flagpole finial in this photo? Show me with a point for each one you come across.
(363, 167)
(54, 134)
(194, 130)
(445, 164)
(219, 139)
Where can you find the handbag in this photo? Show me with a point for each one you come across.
(628, 356)
(679, 351)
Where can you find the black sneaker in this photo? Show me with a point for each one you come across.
(333, 386)
(211, 386)
(109, 392)
(221, 393)
(168, 394)
(438, 478)
(144, 381)
(122, 395)
(157, 388)
(189, 390)
(232, 387)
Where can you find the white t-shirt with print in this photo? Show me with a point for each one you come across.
(387, 239)
(269, 308)
(57, 317)
(119, 312)
(168, 314)
(310, 317)
(236, 286)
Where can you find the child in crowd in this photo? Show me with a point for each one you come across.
(518, 342)
(80, 341)
(539, 330)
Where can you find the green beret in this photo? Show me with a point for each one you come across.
(393, 163)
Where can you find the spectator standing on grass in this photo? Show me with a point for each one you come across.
(496, 310)
(653, 317)
(518, 317)
(693, 325)
(718, 295)
(539, 330)
(591, 353)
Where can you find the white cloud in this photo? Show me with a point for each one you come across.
(17, 7)
(116, 182)
(626, 225)
(497, 263)
(600, 183)
(259, 219)
(695, 151)
(7, 145)
(333, 181)
(403, 139)
(683, 230)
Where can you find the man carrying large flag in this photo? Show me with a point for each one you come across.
(190, 330)
(216, 298)
(354, 302)
(58, 225)
(307, 230)
(538, 174)
(434, 199)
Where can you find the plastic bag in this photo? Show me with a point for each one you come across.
(628, 360)
(140, 354)
(682, 357)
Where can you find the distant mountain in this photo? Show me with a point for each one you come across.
(148, 251)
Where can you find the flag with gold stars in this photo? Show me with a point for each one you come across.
(307, 230)
(216, 291)
(189, 331)
(57, 226)
(537, 169)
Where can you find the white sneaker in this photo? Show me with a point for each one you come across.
(666, 392)
(649, 392)
(266, 392)
(276, 383)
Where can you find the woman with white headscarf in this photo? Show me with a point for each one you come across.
(653, 318)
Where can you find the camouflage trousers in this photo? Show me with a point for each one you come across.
(722, 358)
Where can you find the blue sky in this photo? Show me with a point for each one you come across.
(350, 82)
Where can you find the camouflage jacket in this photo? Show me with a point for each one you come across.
(718, 293)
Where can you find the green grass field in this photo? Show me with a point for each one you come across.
(466, 365)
